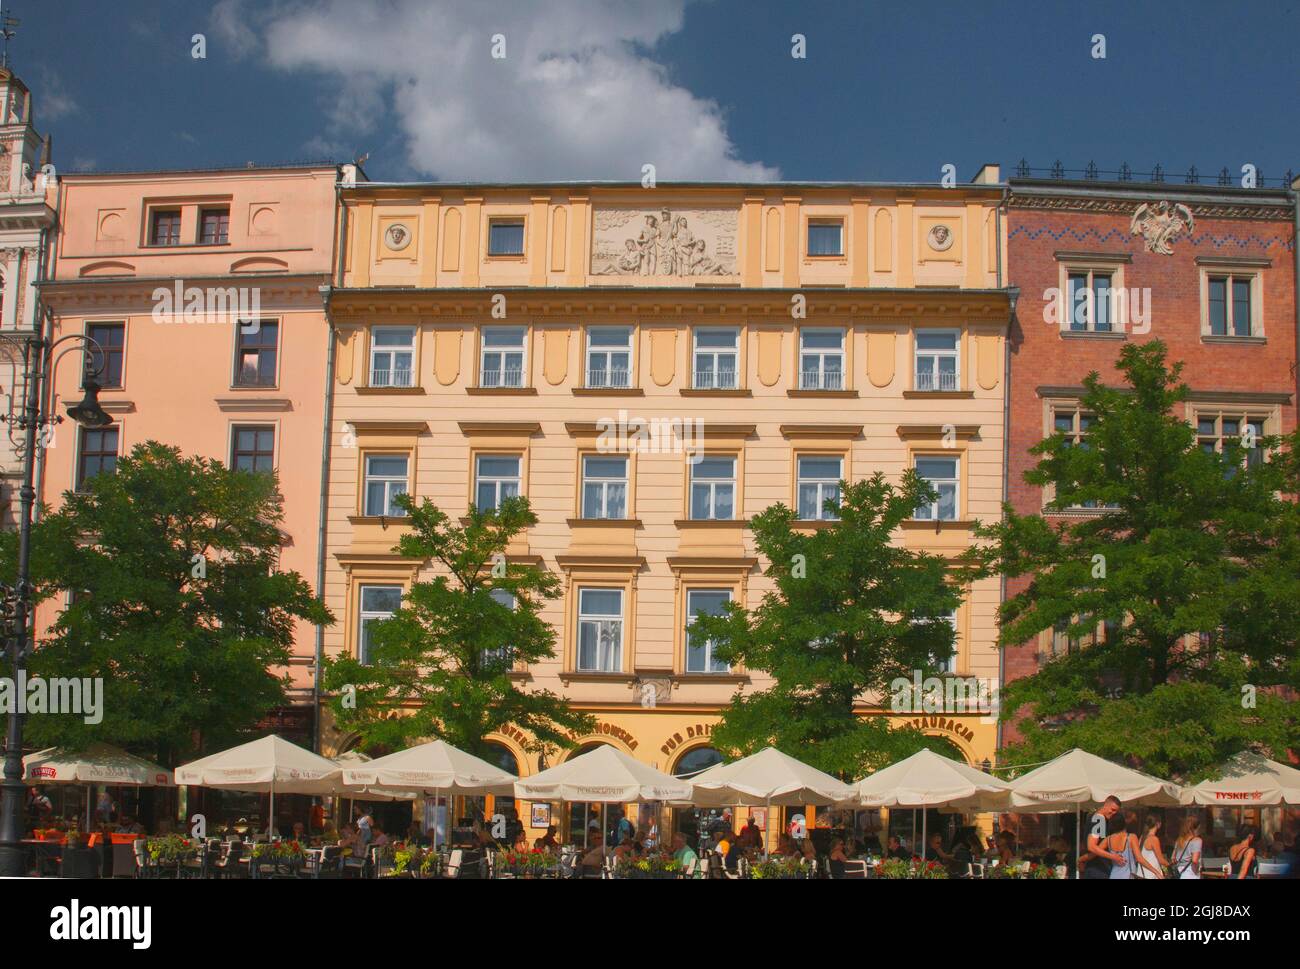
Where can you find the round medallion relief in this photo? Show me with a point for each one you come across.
(940, 238)
(397, 237)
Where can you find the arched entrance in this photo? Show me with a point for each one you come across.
(499, 755)
(583, 819)
(695, 822)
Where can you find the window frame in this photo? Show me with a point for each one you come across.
(478, 456)
(733, 482)
(709, 659)
(1092, 301)
(413, 348)
(608, 351)
(165, 211)
(366, 477)
(370, 615)
(936, 374)
(583, 479)
(822, 355)
(824, 222)
(504, 352)
(1231, 274)
(840, 456)
(219, 210)
(715, 353)
(236, 383)
(502, 221)
(584, 618)
(119, 352)
(274, 452)
(79, 476)
(958, 492)
(1243, 416)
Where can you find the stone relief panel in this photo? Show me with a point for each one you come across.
(664, 244)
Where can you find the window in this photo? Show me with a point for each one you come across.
(165, 228)
(392, 356)
(496, 476)
(104, 365)
(1213, 431)
(713, 489)
(97, 453)
(386, 478)
(1063, 642)
(821, 359)
(378, 602)
(499, 657)
(600, 630)
(826, 238)
(819, 483)
(716, 355)
(699, 650)
(502, 363)
(214, 227)
(1089, 296)
(948, 665)
(1229, 305)
(604, 487)
(252, 448)
(609, 356)
(256, 353)
(1074, 424)
(941, 475)
(936, 360)
(506, 237)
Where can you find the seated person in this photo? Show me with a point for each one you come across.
(784, 846)
(1006, 848)
(594, 860)
(934, 851)
(299, 831)
(837, 858)
(378, 838)
(896, 849)
(548, 841)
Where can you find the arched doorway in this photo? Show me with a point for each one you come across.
(946, 748)
(695, 822)
(499, 755)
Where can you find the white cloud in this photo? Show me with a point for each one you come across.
(578, 95)
(51, 99)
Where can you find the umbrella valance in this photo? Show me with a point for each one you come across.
(97, 764)
(927, 779)
(1245, 780)
(435, 767)
(768, 777)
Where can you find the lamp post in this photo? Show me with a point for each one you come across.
(40, 364)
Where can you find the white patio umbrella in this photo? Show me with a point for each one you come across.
(98, 763)
(1248, 779)
(1078, 780)
(768, 777)
(603, 776)
(433, 768)
(264, 766)
(925, 780)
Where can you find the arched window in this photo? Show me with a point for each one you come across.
(695, 760)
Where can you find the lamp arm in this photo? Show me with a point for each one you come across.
(51, 385)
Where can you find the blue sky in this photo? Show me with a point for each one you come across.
(699, 88)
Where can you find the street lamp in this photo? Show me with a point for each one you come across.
(40, 365)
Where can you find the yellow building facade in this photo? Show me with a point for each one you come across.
(756, 342)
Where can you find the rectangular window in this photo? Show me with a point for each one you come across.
(392, 356)
(600, 630)
(499, 658)
(609, 356)
(1090, 301)
(941, 475)
(937, 360)
(496, 476)
(104, 365)
(1074, 424)
(506, 237)
(378, 602)
(699, 650)
(256, 353)
(1229, 305)
(97, 453)
(252, 447)
(821, 359)
(713, 489)
(604, 487)
(214, 227)
(948, 665)
(386, 478)
(502, 356)
(826, 238)
(1213, 431)
(717, 352)
(819, 483)
(165, 228)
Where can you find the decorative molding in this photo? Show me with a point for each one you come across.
(470, 428)
(1065, 255)
(1160, 223)
(1027, 199)
(821, 431)
(962, 431)
(253, 404)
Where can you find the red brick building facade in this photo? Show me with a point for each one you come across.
(1208, 270)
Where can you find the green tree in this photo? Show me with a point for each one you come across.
(440, 667)
(177, 602)
(1189, 563)
(852, 611)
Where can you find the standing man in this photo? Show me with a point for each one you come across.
(1099, 860)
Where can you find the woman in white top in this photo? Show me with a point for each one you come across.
(1187, 850)
(1153, 855)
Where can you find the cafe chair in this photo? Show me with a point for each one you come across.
(855, 869)
(79, 863)
(455, 861)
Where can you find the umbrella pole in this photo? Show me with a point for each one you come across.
(1077, 825)
(767, 829)
(913, 831)
(270, 811)
(924, 819)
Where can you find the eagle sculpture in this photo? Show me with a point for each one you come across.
(1160, 224)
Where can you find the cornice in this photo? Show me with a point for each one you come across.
(1125, 204)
